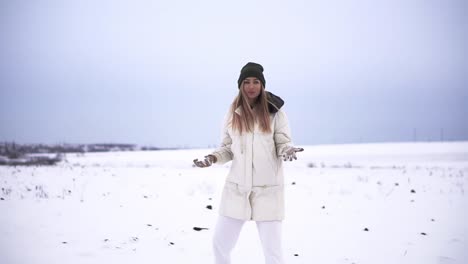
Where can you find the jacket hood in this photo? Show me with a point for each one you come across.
(274, 102)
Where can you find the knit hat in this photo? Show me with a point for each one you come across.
(251, 69)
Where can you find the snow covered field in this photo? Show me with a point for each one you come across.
(363, 203)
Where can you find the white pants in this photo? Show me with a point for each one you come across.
(227, 232)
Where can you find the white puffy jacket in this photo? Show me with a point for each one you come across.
(254, 188)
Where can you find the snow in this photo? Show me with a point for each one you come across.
(122, 207)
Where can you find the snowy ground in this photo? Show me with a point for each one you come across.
(365, 203)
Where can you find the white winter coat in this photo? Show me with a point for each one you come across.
(254, 188)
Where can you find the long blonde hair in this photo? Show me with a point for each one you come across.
(246, 120)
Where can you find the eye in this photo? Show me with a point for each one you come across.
(257, 82)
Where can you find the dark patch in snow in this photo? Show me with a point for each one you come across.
(323, 207)
(432, 219)
(144, 196)
(210, 199)
(293, 183)
(64, 242)
(105, 240)
(149, 224)
(199, 228)
(209, 207)
(424, 234)
(413, 191)
(2, 199)
(171, 243)
(296, 255)
(366, 229)
(396, 184)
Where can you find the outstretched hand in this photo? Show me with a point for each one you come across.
(290, 153)
(210, 159)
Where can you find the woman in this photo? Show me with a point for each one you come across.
(257, 139)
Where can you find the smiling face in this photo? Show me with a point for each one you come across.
(251, 87)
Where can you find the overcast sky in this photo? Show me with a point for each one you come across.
(163, 73)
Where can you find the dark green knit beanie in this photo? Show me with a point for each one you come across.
(251, 69)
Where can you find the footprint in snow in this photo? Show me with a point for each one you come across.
(445, 260)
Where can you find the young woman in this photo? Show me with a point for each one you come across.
(257, 139)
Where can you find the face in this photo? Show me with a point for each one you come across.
(252, 87)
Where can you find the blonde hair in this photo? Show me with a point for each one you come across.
(246, 121)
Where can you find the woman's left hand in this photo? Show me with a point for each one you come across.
(290, 153)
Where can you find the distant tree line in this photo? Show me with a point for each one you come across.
(12, 153)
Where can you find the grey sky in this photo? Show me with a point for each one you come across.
(164, 73)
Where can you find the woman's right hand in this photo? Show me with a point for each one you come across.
(210, 159)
